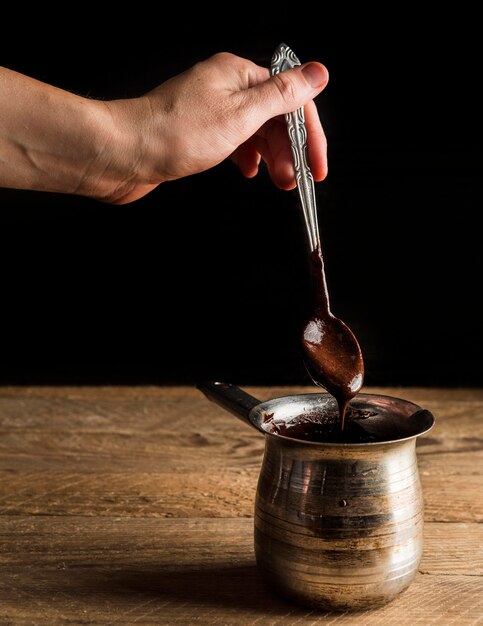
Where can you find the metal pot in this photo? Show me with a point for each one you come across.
(338, 526)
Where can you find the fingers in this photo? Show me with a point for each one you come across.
(272, 143)
(271, 146)
(287, 91)
(316, 142)
(271, 99)
(247, 157)
(227, 106)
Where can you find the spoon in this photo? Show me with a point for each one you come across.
(331, 352)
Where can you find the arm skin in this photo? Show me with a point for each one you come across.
(117, 151)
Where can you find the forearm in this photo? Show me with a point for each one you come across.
(53, 140)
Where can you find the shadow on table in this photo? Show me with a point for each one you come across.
(219, 585)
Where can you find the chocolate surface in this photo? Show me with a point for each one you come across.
(359, 428)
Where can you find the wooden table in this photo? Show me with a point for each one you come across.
(134, 506)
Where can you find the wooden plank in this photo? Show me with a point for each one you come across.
(125, 571)
(87, 431)
(224, 493)
(93, 451)
(46, 541)
(47, 449)
(457, 499)
(223, 595)
(455, 548)
(113, 414)
(148, 494)
(184, 408)
(97, 452)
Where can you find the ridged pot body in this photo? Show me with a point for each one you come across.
(339, 526)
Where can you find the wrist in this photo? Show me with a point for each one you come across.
(53, 140)
(124, 168)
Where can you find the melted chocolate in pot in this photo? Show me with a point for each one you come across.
(362, 426)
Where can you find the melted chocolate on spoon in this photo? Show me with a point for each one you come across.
(331, 352)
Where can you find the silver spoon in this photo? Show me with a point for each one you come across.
(332, 354)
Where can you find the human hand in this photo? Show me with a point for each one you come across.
(223, 107)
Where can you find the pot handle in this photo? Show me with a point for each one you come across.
(231, 398)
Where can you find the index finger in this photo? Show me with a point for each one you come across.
(316, 142)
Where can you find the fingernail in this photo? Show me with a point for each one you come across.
(315, 74)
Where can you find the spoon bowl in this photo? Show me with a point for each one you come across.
(333, 357)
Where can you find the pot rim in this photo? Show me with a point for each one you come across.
(423, 420)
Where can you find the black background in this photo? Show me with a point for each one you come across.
(207, 277)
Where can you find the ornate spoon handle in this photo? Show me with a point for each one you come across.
(284, 59)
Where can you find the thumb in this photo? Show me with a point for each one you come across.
(287, 91)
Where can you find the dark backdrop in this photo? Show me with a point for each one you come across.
(208, 276)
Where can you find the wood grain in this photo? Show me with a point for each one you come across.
(134, 506)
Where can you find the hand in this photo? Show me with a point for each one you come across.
(223, 107)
